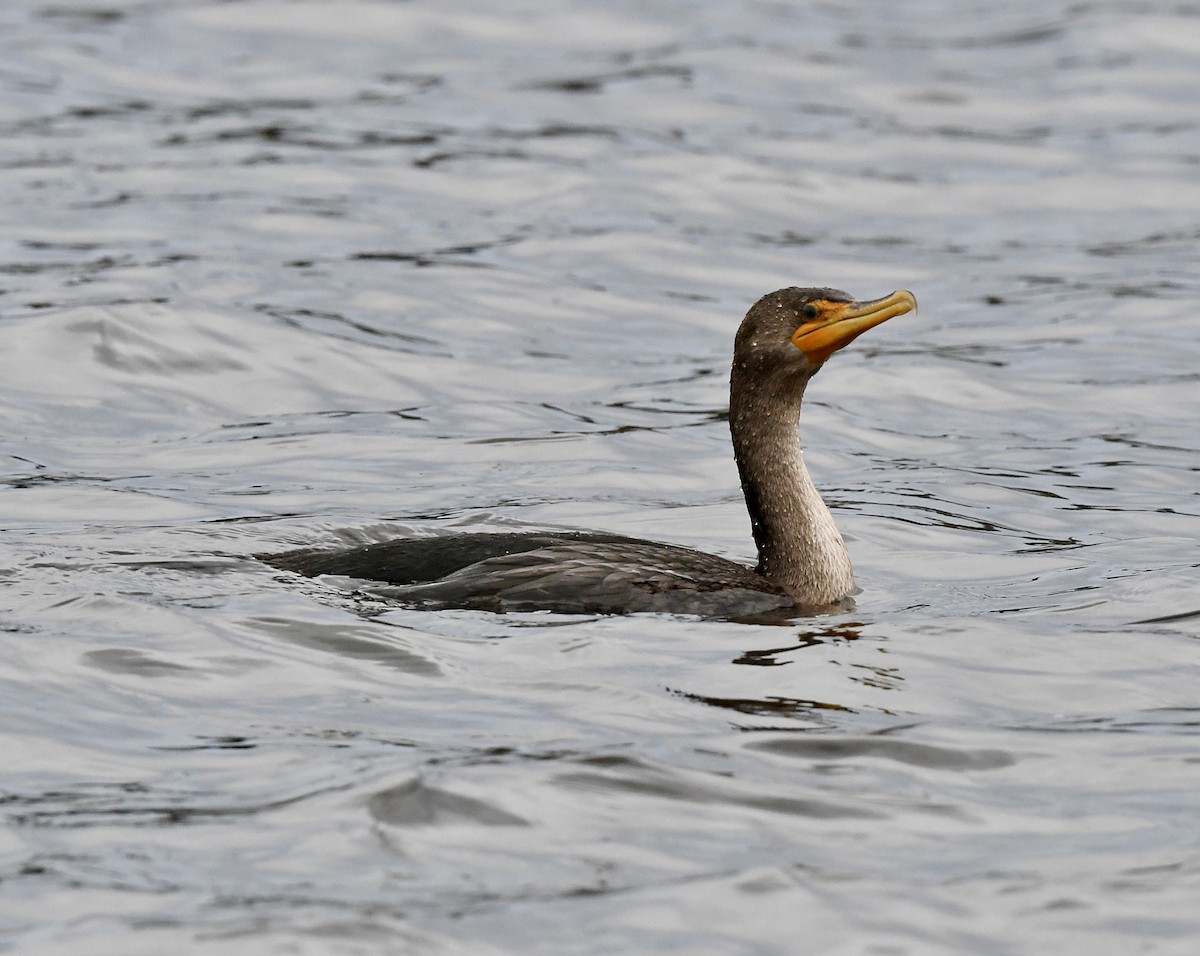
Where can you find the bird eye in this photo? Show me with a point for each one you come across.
(809, 311)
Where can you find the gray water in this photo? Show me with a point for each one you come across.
(279, 274)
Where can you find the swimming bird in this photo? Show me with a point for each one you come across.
(803, 564)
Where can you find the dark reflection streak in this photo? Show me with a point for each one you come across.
(558, 435)
(786, 238)
(1132, 511)
(691, 376)
(961, 523)
(74, 817)
(256, 519)
(36, 162)
(1029, 134)
(218, 564)
(96, 16)
(28, 481)
(1138, 379)
(213, 743)
(1168, 618)
(975, 354)
(300, 136)
(532, 439)
(848, 631)
(420, 81)
(597, 82)
(434, 256)
(421, 261)
(1131, 442)
(118, 199)
(43, 244)
(765, 658)
(984, 472)
(246, 107)
(1150, 243)
(437, 159)
(710, 414)
(576, 416)
(768, 706)
(1029, 35)
(557, 131)
(282, 426)
(289, 317)
(116, 109)
(95, 265)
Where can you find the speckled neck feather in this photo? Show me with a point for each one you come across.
(799, 546)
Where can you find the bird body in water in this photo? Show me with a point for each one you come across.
(802, 560)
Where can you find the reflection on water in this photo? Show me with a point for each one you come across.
(774, 706)
(283, 275)
(816, 637)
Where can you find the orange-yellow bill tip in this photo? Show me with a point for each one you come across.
(840, 323)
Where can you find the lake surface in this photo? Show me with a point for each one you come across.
(283, 274)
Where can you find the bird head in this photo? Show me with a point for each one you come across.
(796, 330)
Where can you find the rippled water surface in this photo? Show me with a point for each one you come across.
(277, 274)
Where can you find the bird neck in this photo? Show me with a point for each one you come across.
(799, 547)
